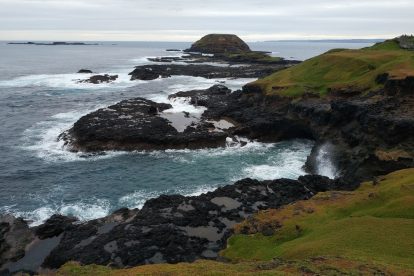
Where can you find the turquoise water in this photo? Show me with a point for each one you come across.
(39, 98)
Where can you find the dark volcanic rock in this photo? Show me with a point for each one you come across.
(15, 235)
(97, 79)
(147, 73)
(176, 228)
(219, 43)
(406, 42)
(363, 136)
(85, 71)
(150, 72)
(54, 226)
(203, 97)
(400, 87)
(369, 134)
(135, 124)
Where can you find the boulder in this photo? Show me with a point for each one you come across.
(97, 79)
(54, 226)
(406, 42)
(15, 235)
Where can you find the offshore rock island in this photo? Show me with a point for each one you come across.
(356, 105)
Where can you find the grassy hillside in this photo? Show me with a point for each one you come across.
(366, 232)
(316, 266)
(374, 223)
(341, 70)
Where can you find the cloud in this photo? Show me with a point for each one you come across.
(188, 19)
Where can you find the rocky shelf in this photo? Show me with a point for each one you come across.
(168, 229)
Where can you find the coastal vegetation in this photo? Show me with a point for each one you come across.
(342, 71)
(373, 223)
(370, 229)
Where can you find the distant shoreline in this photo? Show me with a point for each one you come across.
(53, 43)
(258, 41)
(332, 40)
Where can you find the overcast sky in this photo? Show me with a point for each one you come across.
(187, 20)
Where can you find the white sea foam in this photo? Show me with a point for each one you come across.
(69, 81)
(201, 190)
(324, 162)
(42, 138)
(185, 83)
(287, 162)
(81, 210)
(137, 199)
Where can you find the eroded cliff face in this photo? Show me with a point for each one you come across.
(371, 134)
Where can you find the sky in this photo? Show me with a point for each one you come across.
(187, 20)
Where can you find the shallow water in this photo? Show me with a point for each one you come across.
(39, 98)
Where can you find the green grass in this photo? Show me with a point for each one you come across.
(373, 224)
(341, 70)
(318, 266)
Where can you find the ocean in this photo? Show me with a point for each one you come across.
(40, 98)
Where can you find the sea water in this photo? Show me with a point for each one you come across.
(40, 98)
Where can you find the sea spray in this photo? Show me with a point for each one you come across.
(325, 161)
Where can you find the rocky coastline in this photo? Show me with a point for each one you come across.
(364, 134)
(353, 127)
(170, 228)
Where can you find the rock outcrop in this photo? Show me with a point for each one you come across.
(97, 79)
(137, 124)
(151, 72)
(406, 42)
(15, 235)
(218, 44)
